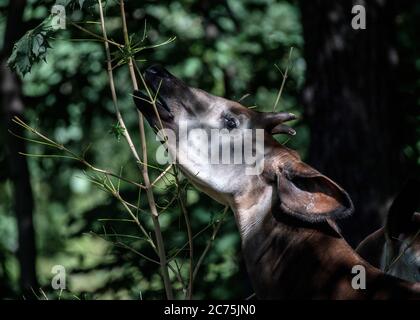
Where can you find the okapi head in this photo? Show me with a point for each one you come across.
(283, 180)
(401, 256)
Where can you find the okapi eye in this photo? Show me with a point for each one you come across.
(230, 123)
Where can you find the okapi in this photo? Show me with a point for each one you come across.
(395, 248)
(285, 214)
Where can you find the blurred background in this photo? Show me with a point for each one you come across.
(357, 92)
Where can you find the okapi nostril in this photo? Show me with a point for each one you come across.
(155, 70)
(158, 71)
(152, 70)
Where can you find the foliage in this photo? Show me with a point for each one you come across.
(228, 49)
(31, 48)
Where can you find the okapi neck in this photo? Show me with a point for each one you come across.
(286, 260)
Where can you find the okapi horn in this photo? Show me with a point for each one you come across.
(273, 122)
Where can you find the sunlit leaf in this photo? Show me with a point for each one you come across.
(117, 131)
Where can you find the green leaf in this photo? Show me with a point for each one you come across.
(37, 44)
(24, 64)
(31, 48)
(117, 131)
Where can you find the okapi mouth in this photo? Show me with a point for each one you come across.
(147, 109)
(156, 80)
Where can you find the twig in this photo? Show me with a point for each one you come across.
(133, 216)
(161, 175)
(285, 75)
(112, 85)
(251, 296)
(73, 156)
(122, 244)
(43, 293)
(186, 244)
(95, 35)
(210, 243)
(149, 191)
(190, 243)
(177, 273)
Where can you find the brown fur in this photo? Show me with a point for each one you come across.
(288, 260)
(291, 245)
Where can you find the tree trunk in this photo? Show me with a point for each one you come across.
(350, 104)
(18, 172)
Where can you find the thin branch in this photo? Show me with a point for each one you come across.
(149, 191)
(161, 175)
(190, 242)
(122, 244)
(95, 35)
(285, 75)
(251, 296)
(210, 243)
(177, 273)
(112, 85)
(73, 155)
(186, 244)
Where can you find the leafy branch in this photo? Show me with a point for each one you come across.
(31, 49)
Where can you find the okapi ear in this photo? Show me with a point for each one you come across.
(273, 122)
(401, 216)
(310, 196)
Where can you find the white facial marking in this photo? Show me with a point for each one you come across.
(217, 160)
(250, 218)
